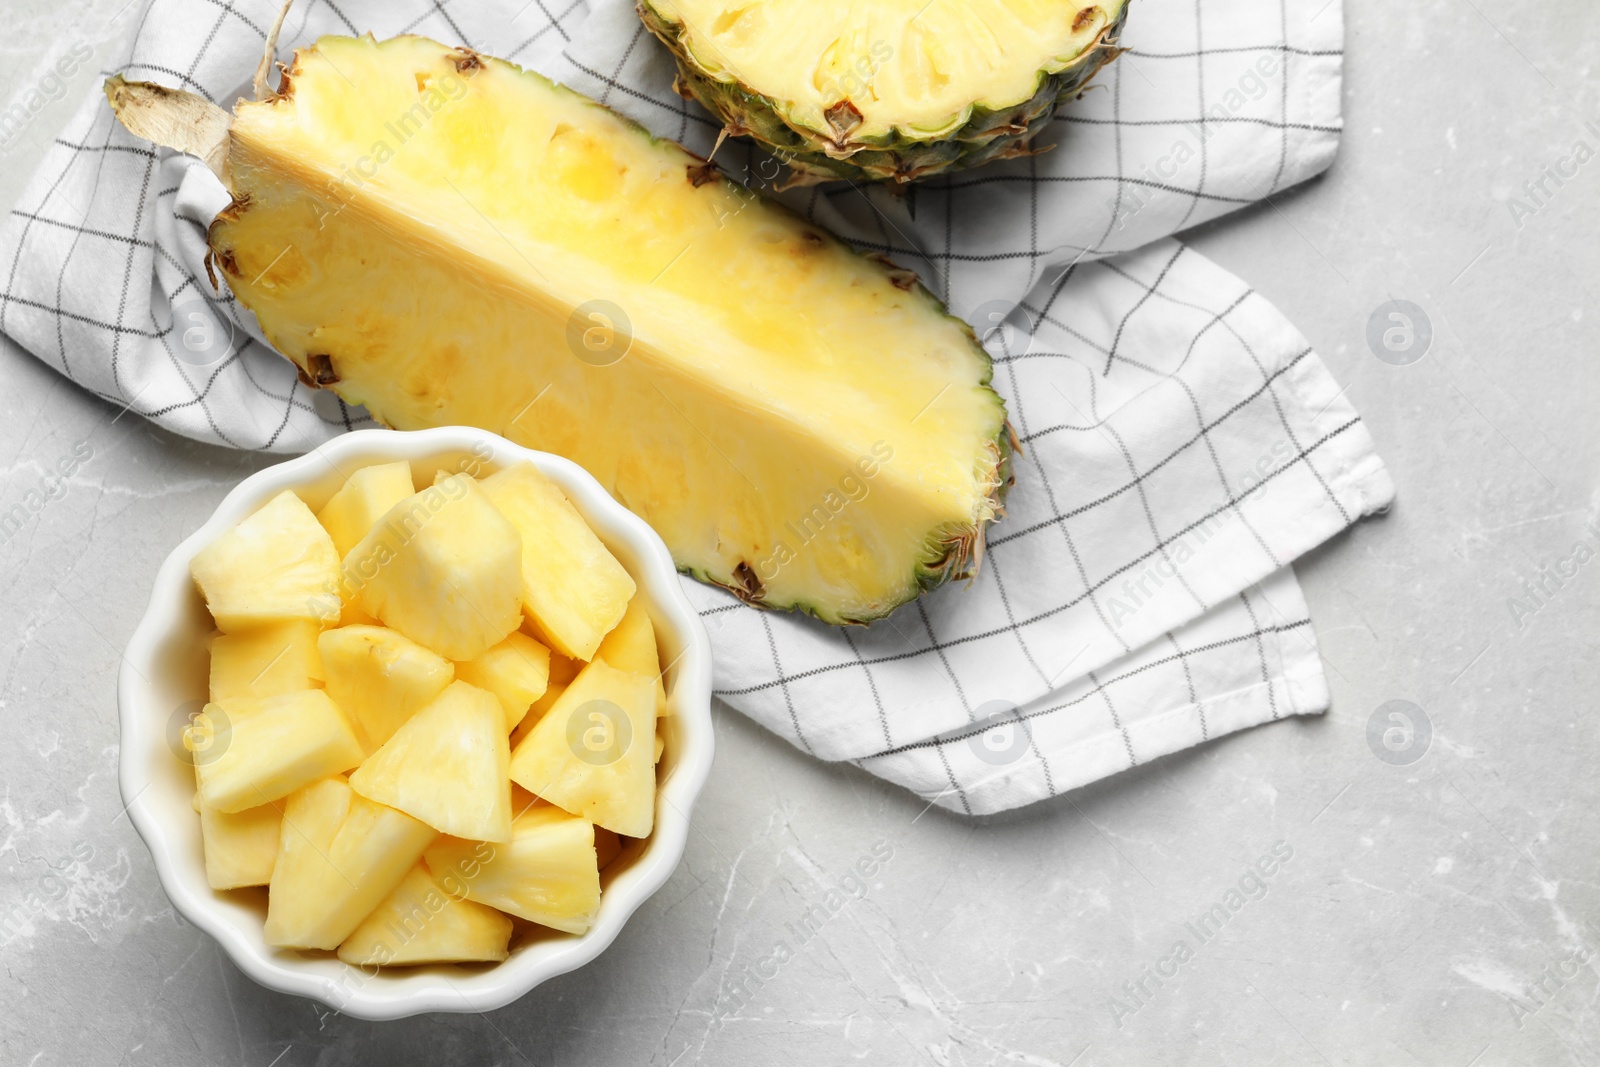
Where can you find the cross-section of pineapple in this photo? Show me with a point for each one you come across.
(573, 589)
(265, 661)
(517, 670)
(593, 753)
(447, 766)
(422, 923)
(443, 567)
(339, 856)
(275, 566)
(547, 873)
(450, 240)
(274, 746)
(380, 678)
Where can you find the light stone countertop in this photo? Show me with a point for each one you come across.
(1443, 912)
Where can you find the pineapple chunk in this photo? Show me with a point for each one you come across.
(517, 670)
(593, 752)
(562, 671)
(240, 847)
(265, 662)
(274, 566)
(274, 747)
(547, 873)
(339, 856)
(421, 923)
(367, 495)
(573, 588)
(447, 766)
(632, 647)
(443, 567)
(380, 678)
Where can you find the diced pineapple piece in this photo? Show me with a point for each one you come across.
(444, 568)
(593, 752)
(380, 677)
(573, 588)
(277, 565)
(517, 670)
(339, 856)
(632, 647)
(273, 747)
(267, 661)
(367, 495)
(421, 923)
(242, 846)
(562, 671)
(547, 873)
(447, 766)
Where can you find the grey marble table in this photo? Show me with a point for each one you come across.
(1442, 911)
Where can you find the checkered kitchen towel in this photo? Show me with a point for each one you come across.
(1181, 442)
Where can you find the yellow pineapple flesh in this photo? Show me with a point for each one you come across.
(273, 747)
(447, 765)
(573, 589)
(240, 847)
(517, 670)
(632, 647)
(420, 922)
(444, 568)
(366, 496)
(278, 565)
(380, 678)
(265, 661)
(339, 856)
(593, 753)
(547, 873)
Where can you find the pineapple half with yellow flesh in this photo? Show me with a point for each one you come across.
(448, 239)
(886, 90)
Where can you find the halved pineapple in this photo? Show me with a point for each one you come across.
(422, 923)
(632, 647)
(339, 856)
(240, 847)
(547, 873)
(265, 661)
(573, 588)
(366, 496)
(274, 746)
(447, 766)
(517, 670)
(802, 424)
(275, 566)
(593, 753)
(444, 568)
(380, 678)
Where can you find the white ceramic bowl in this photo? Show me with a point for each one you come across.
(165, 670)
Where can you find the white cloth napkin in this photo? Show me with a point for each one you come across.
(1182, 444)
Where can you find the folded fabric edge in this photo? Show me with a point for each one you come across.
(1298, 688)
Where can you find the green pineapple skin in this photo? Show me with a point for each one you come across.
(899, 157)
